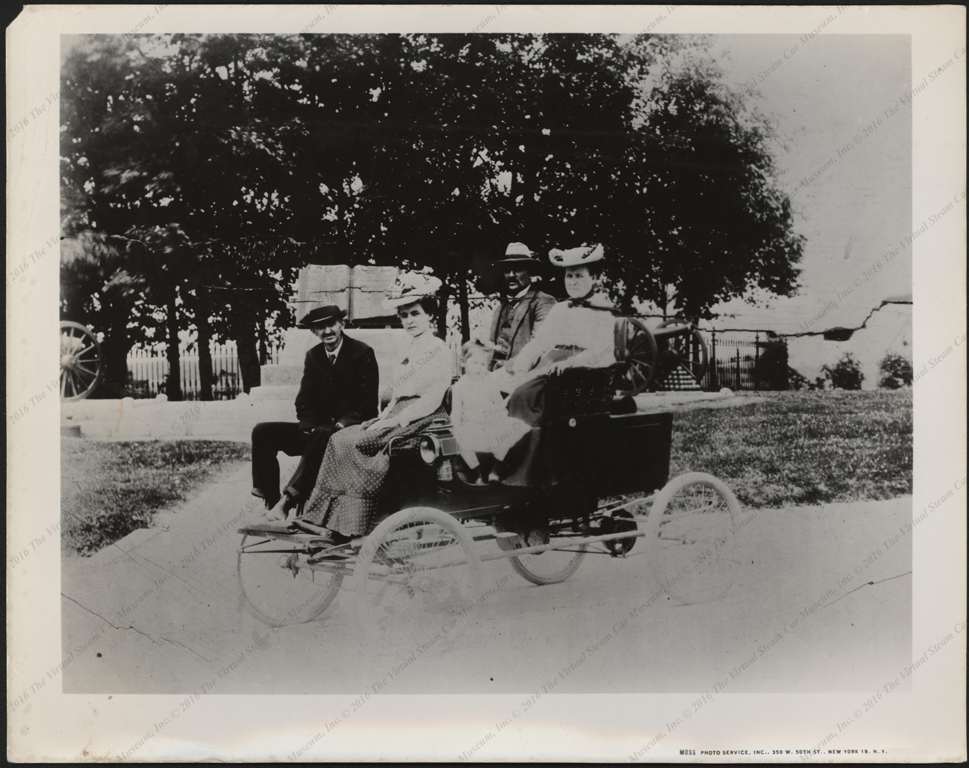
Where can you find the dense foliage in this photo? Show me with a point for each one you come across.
(896, 372)
(845, 374)
(201, 171)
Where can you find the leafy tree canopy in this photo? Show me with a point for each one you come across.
(229, 161)
(896, 372)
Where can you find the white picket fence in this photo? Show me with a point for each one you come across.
(148, 371)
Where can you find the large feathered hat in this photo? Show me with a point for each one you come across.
(410, 287)
(576, 257)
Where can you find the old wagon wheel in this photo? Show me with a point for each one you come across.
(678, 352)
(636, 347)
(82, 365)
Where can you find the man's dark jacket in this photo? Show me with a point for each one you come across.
(528, 313)
(344, 393)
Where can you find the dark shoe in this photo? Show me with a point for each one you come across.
(290, 500)
(268, 501)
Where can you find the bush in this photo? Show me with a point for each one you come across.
(846, 373)
(796, 381)
(896, 372)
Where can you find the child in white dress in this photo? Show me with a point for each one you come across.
(484, 430)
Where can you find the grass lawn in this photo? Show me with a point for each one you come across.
(794, 448)
(802, 447)
(110, 489)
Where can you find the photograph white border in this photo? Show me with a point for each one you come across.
(926, 724)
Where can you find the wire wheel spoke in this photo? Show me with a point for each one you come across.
(417, 579)
(690, 533)
(278, 583)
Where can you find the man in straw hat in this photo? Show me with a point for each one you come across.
(339, 388)
(523, 307)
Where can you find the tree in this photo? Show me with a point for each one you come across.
(167, 148)
(896, 372)
(846, 373)
(797, 381)
(469, 142)
(96, 291)
(427, 151)
(713, 222)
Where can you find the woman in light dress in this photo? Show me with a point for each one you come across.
(578, 332)
(356, 464)
(484, 430)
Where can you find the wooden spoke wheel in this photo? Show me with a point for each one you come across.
(82, 365)
(636, 347)
(685, 350)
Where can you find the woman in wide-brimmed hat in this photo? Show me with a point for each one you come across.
(355, 465)
(578, 332)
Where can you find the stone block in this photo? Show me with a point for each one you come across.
(359, 290)
(266, 393)
(388, 346)
(276, 375)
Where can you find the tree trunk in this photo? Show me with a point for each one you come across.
(463, 303)
(114, 348)
(206, 378)
(263, 340)
(248, 356)
(174, 388)
(443, 295)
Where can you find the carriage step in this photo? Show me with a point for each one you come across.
(505, 535)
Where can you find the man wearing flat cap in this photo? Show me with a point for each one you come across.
(523, 307)
(339, 388)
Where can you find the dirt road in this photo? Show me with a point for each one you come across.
(161, 612)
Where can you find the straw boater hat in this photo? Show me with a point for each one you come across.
(519, 253)
(321, 315)
(576, 257)
(410, 287)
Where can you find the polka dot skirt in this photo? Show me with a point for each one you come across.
(351, 478)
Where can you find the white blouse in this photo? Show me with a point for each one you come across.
(593, 330)
(425, 372)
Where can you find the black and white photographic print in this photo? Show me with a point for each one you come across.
(486, 383)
